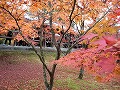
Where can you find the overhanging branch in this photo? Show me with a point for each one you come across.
(70, 18)
(79, 39)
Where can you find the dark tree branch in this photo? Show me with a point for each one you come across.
(70, 18)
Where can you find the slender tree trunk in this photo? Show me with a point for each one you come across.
(52, 77)
(81, 72)
(54, 67)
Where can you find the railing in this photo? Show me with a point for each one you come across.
(6, 37)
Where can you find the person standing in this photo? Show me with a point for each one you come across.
(9, 37)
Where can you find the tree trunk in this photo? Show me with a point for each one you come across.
(81, 72)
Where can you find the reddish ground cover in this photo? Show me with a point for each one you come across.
(13, 75)
(18, 73)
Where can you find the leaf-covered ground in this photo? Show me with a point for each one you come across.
(21, 70)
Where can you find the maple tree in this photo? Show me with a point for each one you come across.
(61, 15)
(102, 60)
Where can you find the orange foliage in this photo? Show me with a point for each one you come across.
(95, 60)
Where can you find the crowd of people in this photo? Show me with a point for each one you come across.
(47, 43)
(9, 38)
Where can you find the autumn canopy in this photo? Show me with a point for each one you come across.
(93, 22)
